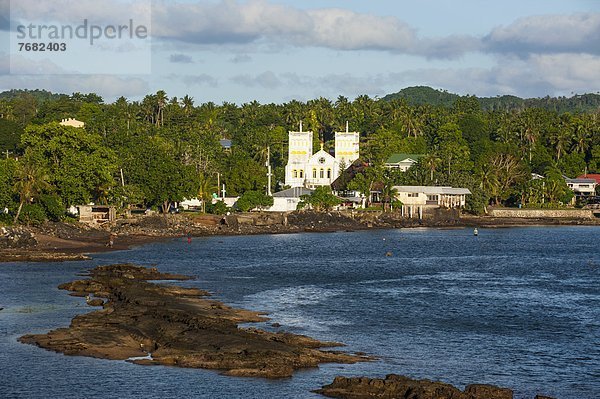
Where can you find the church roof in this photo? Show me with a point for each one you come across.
(322, 153)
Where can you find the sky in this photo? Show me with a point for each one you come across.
(278, 50)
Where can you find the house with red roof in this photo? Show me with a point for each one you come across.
(584, 186)
(595, 176)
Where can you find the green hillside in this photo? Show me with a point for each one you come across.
(419, 95)
(40, 95)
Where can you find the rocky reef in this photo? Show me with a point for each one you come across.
(148, 323)
(401, 387)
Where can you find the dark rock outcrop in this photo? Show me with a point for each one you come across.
(16, 237)
(177, 326)
(401, 387)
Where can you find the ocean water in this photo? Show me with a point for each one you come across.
(516, 307)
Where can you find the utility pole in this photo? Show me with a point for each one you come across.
(269, 174)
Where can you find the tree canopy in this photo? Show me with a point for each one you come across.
(161, 149)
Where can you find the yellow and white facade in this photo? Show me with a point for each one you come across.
(305, 169)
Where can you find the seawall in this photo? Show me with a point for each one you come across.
(542, 213)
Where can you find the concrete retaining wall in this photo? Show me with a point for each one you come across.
(543, 213)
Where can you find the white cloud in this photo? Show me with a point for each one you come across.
(539, 75)
(534, 55)
(241, 58)
(258, 21)
(233, 22)
(568, 72)
(347, 30)
(181, 59)
(202, 79)
(267, 80)
(578, 33)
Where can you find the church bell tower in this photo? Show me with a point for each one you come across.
(300, 151)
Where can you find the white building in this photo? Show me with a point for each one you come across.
(287, 200)
(72, 122)
(193, 203)
(415, 199)
(582, 187)
(403, 162)
(305, 169)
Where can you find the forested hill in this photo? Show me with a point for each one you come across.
(419, 95)
(39, 95)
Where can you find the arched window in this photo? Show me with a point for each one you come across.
(321, 173)
(301, 174)
(294, 173)
(314, 173)
(329, 173)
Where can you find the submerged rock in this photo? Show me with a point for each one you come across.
(176, 326)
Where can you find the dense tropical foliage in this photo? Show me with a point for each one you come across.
(162, 149)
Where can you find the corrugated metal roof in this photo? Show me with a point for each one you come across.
(581, 181)
(294, 192)
(432, 190)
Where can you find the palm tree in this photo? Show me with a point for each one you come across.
(412, 122)
(364, 112)
(393, 110)
(30, 181)
(342, 111)
(561, 141)
(431, 162)
(324, 115)
(562, 137)
(504, 130)
(205, 189)
(293, 113)
(101, 192)
(528, 123)
(388, 194)
(187, 103)
(161, 102)
(489, 183)
(581, 136)
(147, 109)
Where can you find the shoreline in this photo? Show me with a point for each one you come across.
(58, 242)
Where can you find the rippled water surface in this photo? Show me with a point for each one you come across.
(513, 307)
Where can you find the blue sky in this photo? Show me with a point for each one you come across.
(278, 50)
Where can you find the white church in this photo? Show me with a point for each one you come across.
(305, 169)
